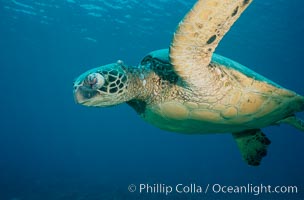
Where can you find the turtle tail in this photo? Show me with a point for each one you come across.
(295, 122)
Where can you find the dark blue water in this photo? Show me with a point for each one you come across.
(51, 148)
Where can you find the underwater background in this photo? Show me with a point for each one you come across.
(54, 149)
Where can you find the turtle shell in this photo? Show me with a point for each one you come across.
(236, 99)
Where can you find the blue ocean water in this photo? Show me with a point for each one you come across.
(51, 148)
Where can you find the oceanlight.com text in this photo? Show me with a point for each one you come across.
(193, 188)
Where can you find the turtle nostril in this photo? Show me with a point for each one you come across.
(76, 87)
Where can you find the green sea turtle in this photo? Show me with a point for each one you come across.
(189, 89)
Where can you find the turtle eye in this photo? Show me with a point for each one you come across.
(95, 80)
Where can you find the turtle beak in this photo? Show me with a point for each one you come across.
(78, 97)
(83, 94)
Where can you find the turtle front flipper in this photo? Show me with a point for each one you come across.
(199, 34)
(253, 145)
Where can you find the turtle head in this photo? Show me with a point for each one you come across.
(103, 86)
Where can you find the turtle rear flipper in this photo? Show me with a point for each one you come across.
(294, 121)
(253, 145)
